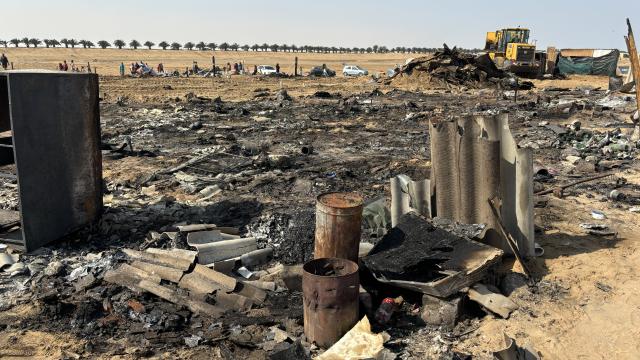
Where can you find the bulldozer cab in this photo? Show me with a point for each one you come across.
(498, 41)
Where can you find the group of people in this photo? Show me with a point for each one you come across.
(71, 66)
(143, 69)
(140, 68)
(4, 61)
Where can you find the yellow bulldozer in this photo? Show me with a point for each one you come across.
(510, 50)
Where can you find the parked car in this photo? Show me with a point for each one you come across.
(320, 71)
(354, 70)
(266, 69)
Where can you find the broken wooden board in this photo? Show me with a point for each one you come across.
(225, 249)
(232, 301)
(187, 255)
(198, 284)
(123, 279)
(204, 227)
(492, 301)
(205, 280)
(254, 293)
(179, 262)
(418, 256)
(200, 238)
(198, 307)
(165, 272)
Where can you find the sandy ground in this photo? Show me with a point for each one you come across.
(594, 309)
(107, 61)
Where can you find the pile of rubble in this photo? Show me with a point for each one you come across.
(453, 67)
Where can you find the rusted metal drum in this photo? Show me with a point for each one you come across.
(338, 225)
(330, 295)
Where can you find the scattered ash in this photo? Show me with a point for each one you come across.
(290, 234)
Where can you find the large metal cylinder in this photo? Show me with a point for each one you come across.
(338, 225)
(330, 288)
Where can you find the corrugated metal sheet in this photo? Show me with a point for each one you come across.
(475, 158)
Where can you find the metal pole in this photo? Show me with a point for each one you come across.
(635, 64)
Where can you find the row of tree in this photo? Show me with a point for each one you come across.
(135, 44)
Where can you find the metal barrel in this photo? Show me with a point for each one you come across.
(338, 225)
(330, 288)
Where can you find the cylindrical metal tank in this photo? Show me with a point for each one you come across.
(338, 225)
(330, 288)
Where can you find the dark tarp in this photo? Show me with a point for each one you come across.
(603, 65)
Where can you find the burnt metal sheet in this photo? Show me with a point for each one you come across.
(475, 158)
(55, 123)
(419, 256)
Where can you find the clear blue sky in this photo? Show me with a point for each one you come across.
(563, 23)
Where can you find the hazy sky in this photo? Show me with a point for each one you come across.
(563, 23)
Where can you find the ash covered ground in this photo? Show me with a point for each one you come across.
(259, 165)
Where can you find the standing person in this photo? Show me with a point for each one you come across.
(73, 66)
(160, 68)
(122, 69)
(235, 68)
(240, 67)
(60, 67)
(4, 61)
(277, 68)
(255, 70)
(65, 66)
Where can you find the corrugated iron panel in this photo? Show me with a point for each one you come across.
(475, 158)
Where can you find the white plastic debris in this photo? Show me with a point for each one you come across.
(598, 215)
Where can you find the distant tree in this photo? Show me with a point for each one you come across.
(245, 47)
(65, 42)
(83, 43)
(264, 47)
(284, 47)
(383, 49)
(201, 46)
(25, 41)
(54, 43)
(234, 46)
(369, 50)
(375, 48)
(294, 48)
(333, 49)
(164, 45)
(275, 47)
(175, 46)
(149, 44)
(135, 44)
(15, 42)
(212, 46)
(119, 44)
(73, 43)
(104, 44)
(4, 43)
(46, 42)
(255, 47)
(90, 44)
(35, 42)
(189, 45)
(224, 46)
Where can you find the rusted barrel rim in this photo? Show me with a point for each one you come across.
(339, 203)
(350, 267)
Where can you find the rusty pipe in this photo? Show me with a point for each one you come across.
(338, 225)
(330, 290)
